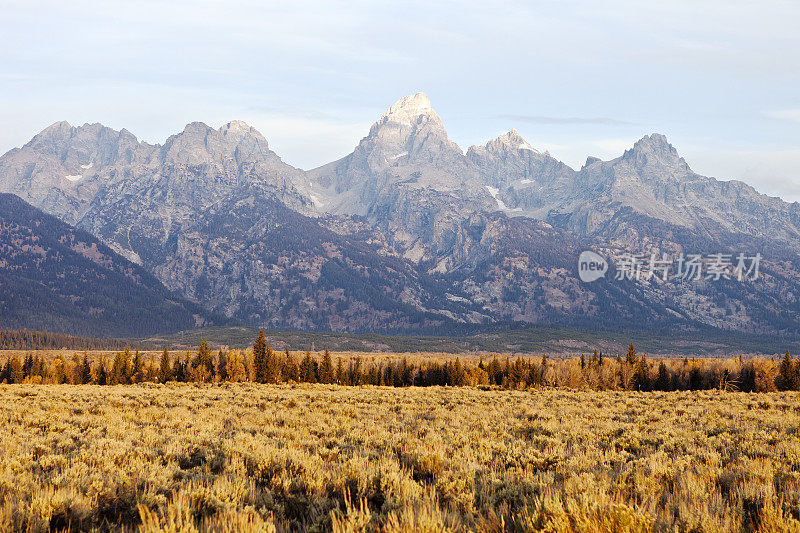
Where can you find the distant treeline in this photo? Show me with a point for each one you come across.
(22, 339)
(263, 365)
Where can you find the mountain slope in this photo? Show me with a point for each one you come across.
(207, 214)
(55, 277)
(439, 209)
(406, 170)
(655, 181)
(409, 234)
(255, 259)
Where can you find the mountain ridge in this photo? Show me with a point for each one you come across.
(486, 235)
(54, 276)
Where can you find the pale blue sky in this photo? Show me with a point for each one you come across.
(719, 78)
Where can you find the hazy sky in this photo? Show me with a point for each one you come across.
(720, 78)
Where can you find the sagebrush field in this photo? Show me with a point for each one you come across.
(251, 457)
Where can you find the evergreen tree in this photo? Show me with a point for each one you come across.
(747, 377)
(137, 369)
(178, 370)
(260, 358)
(119, 374)
(17, 374)
(85, 370)
(535, 375)
(662, 382)
(340, 372)
(518, 373)
(357, 374)
(307, 370)
(222, 366)
(204, 363)
(495, 375)
(27, 365)
(326, 370)
(165, 368)
(406, 372)
(631, 357)
(505, 372)
(101, 376)
(796, 375)
(273, 366)
(151, 373)
(290, 371)
(786, 373)
(641, 378)
(695, 378)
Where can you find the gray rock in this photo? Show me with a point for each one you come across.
(408, 232)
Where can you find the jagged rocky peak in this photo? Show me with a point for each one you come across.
(90, 144)
(53, 138)
(407, 116)
(654, 149)
(510, 141)
(225, 148)
(248, 141)
(57, 130)
(409, 108)
(655, 141)
(193, 136)
(591, 160)
(236, 130)
(410, 128)
(197, 128)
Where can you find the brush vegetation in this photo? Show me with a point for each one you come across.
(302, 457)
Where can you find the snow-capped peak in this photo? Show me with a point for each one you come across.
(418, 103)
(408, 108)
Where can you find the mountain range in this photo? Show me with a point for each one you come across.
(409, 233)
(56, 277)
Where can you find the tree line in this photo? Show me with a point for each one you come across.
(263, 365)
(23, 339)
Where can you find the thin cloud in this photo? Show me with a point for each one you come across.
(785, 114)
(535, 119)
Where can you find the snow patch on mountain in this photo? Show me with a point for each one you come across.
(501, 205)
(494, 191)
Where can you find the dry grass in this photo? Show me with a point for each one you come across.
(246, 457)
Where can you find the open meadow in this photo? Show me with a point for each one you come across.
(253, 457)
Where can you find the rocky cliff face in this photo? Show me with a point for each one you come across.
(60, 170)
(408, 232)
(55, 277)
